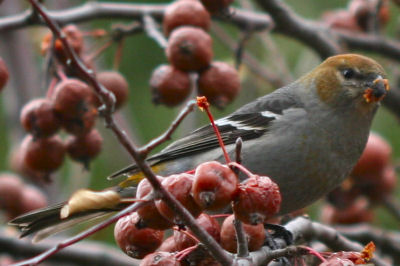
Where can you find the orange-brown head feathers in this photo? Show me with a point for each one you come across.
(347, 77)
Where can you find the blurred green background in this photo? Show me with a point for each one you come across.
(144, 121)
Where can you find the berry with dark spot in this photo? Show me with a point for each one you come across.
(189, 49)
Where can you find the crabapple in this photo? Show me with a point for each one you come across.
(255, 235)
(44, 154)
(179, 186)
(258, 199)
(149, 214)
(214, 185)
(169, 86)
(189, 49)
(185, 12)
(220, 83)
(135, 242)
(38, 118)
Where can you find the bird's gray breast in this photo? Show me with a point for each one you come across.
(303, 158)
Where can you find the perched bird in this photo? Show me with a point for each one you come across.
(306, 136)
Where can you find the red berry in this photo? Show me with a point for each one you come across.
(3, 74)
(337, 262)
(358, 212)
(255, 235)
(4, 259)
(85, 147)
(216, 6)
(189, 49)
(44, 154)
(160, 258)
(18, 165)
(214, 185)
(81, 125)
(11, 188)
(384, 184)
(168, 245)
(149, 214)
(257, 200)
(135, 242)
(373, 160)
(341, 19)
(210, 224)
(364, 13)
(75, 40)
(38, 118)
(180, 187)
(117, 84)
(185, 12)
(345, 195)
(169, 85)
(31, 199)
(220, 83)
(72, 99)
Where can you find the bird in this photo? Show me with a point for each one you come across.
(305, 136)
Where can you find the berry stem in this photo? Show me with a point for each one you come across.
(61, 73)
(150, 26)
(314, 252)
(167, 134)
(204, 105)
(99, 51)
(241, 168)
(118, 54)
(52, 85)
(183, 253)
(186, 233)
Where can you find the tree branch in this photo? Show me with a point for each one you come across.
(84, 253)
(96, 10)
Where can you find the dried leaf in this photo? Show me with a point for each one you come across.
(83, 200)
(368, 251)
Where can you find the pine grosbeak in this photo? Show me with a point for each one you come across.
(306, 136)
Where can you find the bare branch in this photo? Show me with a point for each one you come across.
(290, 24)
(167, 134)
(84, 253)
(68, 242)
(152, 31)
(96, 10)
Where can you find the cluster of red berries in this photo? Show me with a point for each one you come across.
(212, 187)
(359, 15)
(3, 74)
(17, 198)
(372, 179)
(189, 49)
(70, 104)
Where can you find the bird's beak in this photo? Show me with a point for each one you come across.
(377, 90)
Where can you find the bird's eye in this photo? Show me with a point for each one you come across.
(348, 73)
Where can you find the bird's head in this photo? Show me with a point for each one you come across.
(349, 79)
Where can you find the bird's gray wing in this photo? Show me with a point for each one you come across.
(249, 122)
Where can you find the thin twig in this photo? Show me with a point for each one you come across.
(85, 253)
(68, 242)
(145, 150)
(128, 11)
(387, 242)
(288, 252)
(242, 246)
(151, 28)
